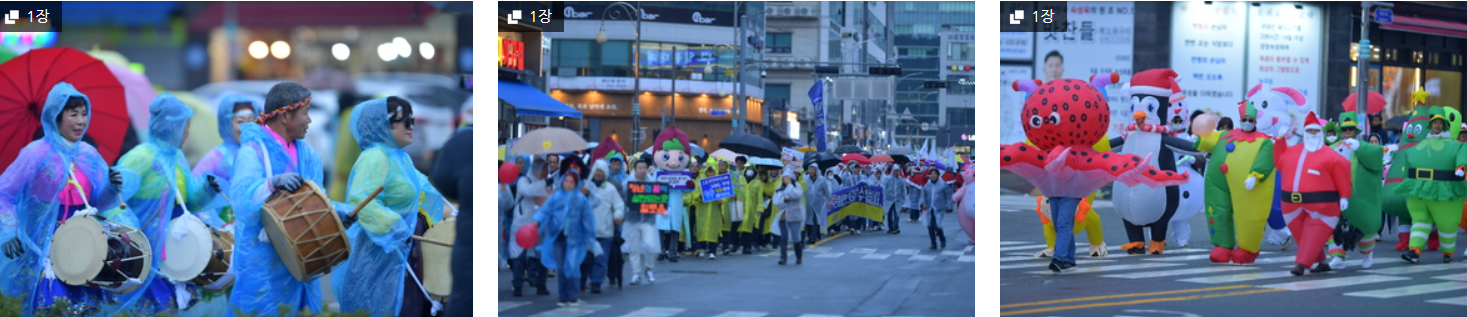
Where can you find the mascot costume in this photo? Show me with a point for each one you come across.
(1394, 204)
(670, 153)
(1064, 119)
(1433, 183)
(1085, 217)
(1359, 224)
(1316, 185)
(967, 200)
(1155, 97)
(1240, 173)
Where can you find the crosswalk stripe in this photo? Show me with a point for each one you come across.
(1334, 282)
(965, 258)
(1002, 243)
(1283, 259)
(1019, 258)
(503, 305)
(1236, 277)
(1201, 270)
(1418, 268)
(1411, 290)
(863, 250)
(1461, 301)
(1085, 247)
(1107, 268)
(1183, 258)
(1023, 247)
(817, 249)
(1453, 277)
(922, 257)
(952, 253)
(742, 314)
(906, 251)
(655, 312)
(1046, 264)
(967, 248)
(582, 310)
(876, 256)
(831, 255)
(819, 315)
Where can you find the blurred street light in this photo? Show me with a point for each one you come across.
(404, 49)
(387, 52)
(427, 50)
(280, 50)
(340, 51)
(258, 49)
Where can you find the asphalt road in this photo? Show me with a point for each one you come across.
(873, 274)
(1182, 282)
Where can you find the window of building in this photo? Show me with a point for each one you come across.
(960, 117)
(917, 51)
(838, 12)
(960, 51)
(960, 85)
(776, 91)
(777, 42)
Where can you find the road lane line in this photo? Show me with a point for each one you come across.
(1418, 268)
(838, 235)
(1140, 301)
(1200, 270)
(1107, 268)
(1334, 282)
(582, 310)
(1023, 247)
(1081, 299)
(1461, 301)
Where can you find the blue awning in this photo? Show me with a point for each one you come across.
(528, 100)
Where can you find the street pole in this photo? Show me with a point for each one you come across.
(1362, 69)
(738, 67)
(673, 119)
(634, 13)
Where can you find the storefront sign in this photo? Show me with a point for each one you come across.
(512, 54)
(1097, 39)
(1284, 48)
(652, 13)
(1207, 53)
(1016, 46)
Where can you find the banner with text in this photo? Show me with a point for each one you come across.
(717, 187)
(1207, 54)
(862, 200)
(677, 180)
(1284, 48)
(1011, 103)
(1097, 39)
(647, 198)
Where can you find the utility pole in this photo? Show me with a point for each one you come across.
(673, 119)
(1362, 69)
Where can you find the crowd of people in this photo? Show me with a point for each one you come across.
(60, 178)
(574, 223)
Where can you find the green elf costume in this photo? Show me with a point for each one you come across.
(1395, 204)
(1362, 219)
(1433, 184)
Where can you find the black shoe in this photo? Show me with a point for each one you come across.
(1412, 256)
(518, 293)
(781, 262)
(1298, 270)
(1057, 266)
(661, 257)
(1447, 258)
(1321, 268)
(541, 291)
(934, 247)
(747, 251)
(595, 289)
(799, 260)
(1136, 251)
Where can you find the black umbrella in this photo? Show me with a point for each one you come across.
(823, 159)
(899, 159)
(1396, 122)
(751, 145)
(847, 149)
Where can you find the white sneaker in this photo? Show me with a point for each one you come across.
(1336, 263)
(574, 303)
(636, 279)
(1368, 260)
(650, 279)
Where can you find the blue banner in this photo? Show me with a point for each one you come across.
(817, 98)
(717, 187)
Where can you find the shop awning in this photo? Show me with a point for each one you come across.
(1426, 26)
(530, 101)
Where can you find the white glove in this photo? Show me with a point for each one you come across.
(86, 212)
(264, 238)
(1459, 173)
(1250, 182)
(1352, 144)
(1345, 202)
(1098, 250)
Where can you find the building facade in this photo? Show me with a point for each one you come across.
(924, 51)
(956, 102)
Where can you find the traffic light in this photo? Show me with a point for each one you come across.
(934, 84)
(880, 70)
(827, 69)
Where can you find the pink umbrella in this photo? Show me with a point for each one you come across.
(139, 92)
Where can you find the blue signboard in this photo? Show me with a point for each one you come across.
(1383, 15)
(717, 187)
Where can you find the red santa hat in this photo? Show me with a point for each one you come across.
(1313, 122)
(1154, 82)
(1177, 91)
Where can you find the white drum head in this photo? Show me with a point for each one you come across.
(78, 249)
(437, 276)
(186, 257)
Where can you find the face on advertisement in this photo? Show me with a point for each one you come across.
(1054, 66)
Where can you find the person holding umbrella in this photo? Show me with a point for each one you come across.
(52, 179)
(233, 111)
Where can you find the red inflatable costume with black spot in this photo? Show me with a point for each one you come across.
(1063, 119)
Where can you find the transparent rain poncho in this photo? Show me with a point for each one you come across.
(220, 161)
(262, 283)
(29, 196)
(164, 180)
(374, 274)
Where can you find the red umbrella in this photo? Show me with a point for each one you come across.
(855, 157)
(25, 81)
(1375, 104)
(882, 158)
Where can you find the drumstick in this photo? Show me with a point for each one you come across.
(427, 240)
(368, 200)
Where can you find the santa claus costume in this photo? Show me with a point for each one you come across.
(1316, 186)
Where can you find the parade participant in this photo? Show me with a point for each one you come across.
(754, 203)
(1364, 212)
(1240, 181)
(533, 191)
(567, 231)
(1316, 187)
(916, 178)
(817, 195)
(1061, 162)
(1180, 229)
(1157, 104)
(735, 211)
(709, 220)
(670, 154)
(272, 157)
(233, 111)
(640, 229)
(790, 217)
(166, 186)
(893, 188)
(766, 219)
(935, 199)
(1415, 131)
(52, 179)
(553, 161)
(851, 176)
(1085, 219)
(1434, 195)
(609, 210)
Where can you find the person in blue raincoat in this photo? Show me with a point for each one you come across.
(272, 157)
(52, 179)
(567, 231)
(377, 274)
(234, 110)
(165, 180)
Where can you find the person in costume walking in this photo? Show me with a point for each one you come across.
(53, 179)
(1433, 186)
(1240, 187)
(1316, 186)
(1364, 212)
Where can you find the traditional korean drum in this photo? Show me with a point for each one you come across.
(437, 274)
(186, 249)
(305, 231)
(87, 251)
(219, 274)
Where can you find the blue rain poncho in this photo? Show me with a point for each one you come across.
(262, 282)
(566, 212)
(164, 180)
(29, 196)
(374, 274)
(219, 162)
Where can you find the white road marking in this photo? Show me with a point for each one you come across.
(582, 310)
(921, 257)
(1334, 282)
(1411, 290)
(1200, 270)
(1012, 242)
(742, 314)
(906, 251)
(952, 253)
(863, 250)
(503, 305)
(1182, 258)
(1418, 268)
(831, 255)
(1107, 268)
(1460, 301)
(965, 258)
(1022, 247)
(1236, 277)
(876, 256)
(655, 312)
(1453, 277)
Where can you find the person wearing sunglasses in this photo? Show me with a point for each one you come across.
(1364, 213)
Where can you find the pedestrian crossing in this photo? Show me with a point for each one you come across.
(963, 255)
(521, 308)
(1388, 278)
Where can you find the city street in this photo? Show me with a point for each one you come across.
(1182, 282)
(872, 274)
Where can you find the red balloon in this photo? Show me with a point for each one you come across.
(527, 236)
(508, 172)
